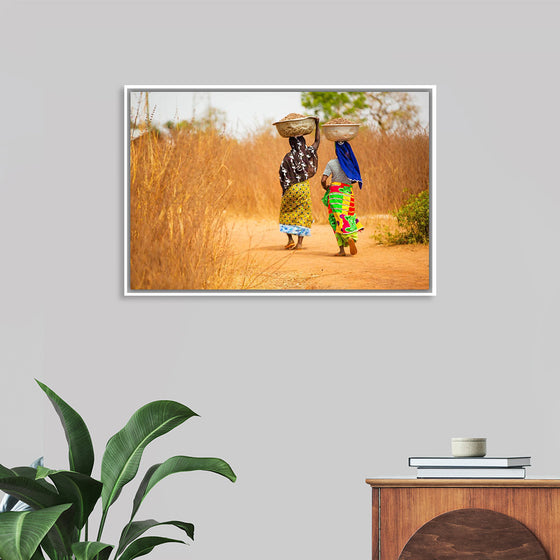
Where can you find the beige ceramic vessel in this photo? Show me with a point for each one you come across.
(468, 447)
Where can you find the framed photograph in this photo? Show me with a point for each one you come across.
(304, 191)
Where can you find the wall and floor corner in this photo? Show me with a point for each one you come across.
(302, 411)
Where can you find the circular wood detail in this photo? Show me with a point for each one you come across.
(467, 534)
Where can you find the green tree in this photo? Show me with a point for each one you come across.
(331, 104)
(384, 110)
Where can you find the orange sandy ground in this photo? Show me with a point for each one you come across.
(268, 266)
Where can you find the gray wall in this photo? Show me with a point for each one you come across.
(303, 412)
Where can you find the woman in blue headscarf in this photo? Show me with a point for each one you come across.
(339, 197)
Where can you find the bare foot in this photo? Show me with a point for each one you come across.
(352, 245)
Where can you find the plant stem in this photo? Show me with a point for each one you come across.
(102, 524)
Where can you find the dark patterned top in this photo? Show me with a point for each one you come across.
(299, 164)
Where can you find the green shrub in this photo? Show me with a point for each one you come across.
(413, 221)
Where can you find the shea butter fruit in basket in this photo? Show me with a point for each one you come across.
(295, 124)
(340, 130)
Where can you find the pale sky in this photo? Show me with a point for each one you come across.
(245, 110)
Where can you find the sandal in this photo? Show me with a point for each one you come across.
(290, 245)
(352, 245)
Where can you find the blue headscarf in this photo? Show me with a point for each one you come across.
(348, 162)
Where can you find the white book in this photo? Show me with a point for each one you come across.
(478, 472)
(469, 461)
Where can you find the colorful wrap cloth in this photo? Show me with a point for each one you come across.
(295, 210)
(339, 199)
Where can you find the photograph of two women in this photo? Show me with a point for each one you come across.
(328, 191)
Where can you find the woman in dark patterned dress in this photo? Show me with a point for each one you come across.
(298, 166)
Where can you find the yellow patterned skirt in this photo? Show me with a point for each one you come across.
(295, 210)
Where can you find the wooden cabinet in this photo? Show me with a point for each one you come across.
(530, 514)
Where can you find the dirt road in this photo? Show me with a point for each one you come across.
(268, 266)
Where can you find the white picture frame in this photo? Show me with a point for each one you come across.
(430, 114)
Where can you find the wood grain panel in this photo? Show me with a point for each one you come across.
(404, 510)
(469, 534)
(375, 524)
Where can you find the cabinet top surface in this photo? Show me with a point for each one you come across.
(463, 482)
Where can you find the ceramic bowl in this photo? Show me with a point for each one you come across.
(468, 447)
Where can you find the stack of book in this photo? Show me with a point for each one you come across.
(470, 467)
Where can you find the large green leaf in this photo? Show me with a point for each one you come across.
(175, 465)
(38, 496)
(90, 549)
(58, 542)
(133, 530)
(80, 448)
(50, 550)
(22, 532)
(38, 555)
(31, 473)
(11, 503)
(143, 546)
(124, 450)
(29, 491)
(6, 472)
(79, 489)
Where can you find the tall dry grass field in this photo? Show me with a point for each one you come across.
(179, 190)
(188, 188)
(393, 167)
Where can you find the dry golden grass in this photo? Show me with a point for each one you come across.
(393, 167)
(179, 192)
(186, 189)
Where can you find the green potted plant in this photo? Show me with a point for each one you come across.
(62, 501)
